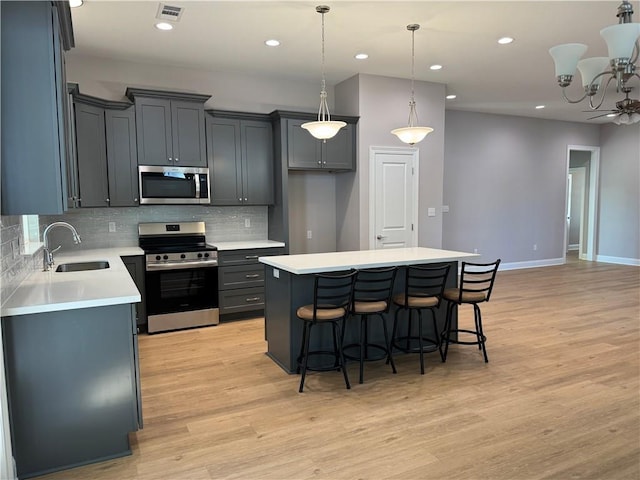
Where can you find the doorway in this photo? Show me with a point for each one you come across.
(583, 165)
(393, 197)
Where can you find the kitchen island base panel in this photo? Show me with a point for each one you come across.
(283, 329)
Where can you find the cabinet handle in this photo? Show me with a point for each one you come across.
(246, 199)
(324, 163)
(252, 299)
(170, 159)
(319, 162)
(135, 200)
(177, 159)
(240, 199)
(253, 275)
(108, 200)
(250, 257)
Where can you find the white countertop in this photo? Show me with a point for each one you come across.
(54, 291)
(247, 245)
(336, 261)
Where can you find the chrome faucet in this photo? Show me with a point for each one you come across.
(47, 259)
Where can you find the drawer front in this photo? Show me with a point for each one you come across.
(241, 276)
(243, 257)
(241, 300)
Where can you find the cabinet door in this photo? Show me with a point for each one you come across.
(257, 163)
(122, 157)
(223, 152)
(153, 131)
(337, 153)
(187, 124)
(303, 150)
(33, 164)
(92, 156)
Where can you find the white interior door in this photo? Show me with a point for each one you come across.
(393, 192)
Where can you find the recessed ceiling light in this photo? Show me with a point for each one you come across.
(435, 67)
(450, 97)
(164, 26)
(75, 3)
(539, 107)
(505, 40)
(272, 43)
(361, 56)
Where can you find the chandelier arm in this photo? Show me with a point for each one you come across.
(604, 93)
(564, 94)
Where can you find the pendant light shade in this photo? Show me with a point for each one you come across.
(323, 128)
(412, 133)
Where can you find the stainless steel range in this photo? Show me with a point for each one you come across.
(181, 276)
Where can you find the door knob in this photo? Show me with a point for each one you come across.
(380, 237)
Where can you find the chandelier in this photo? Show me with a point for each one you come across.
(323, 128)
(412, 134)
(620, 66)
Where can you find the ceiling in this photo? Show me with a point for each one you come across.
(461, 35)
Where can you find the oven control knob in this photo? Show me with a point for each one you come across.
(165, 257)
(199, 255)
(182, 255)
(206, 255)
(158, 257)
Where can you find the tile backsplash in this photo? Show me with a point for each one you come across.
(92, 224)
(15, 267)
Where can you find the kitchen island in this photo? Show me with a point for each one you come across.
(289, 284)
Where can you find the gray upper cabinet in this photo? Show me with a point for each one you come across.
(106, 153)
(304, 152)
(34, 108)
(170, 127)
(240, 158)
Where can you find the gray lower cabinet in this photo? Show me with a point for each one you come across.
(136, 267)
(34, 106)
(73, 386)
(169, 127)
(240, 157)
(241, 281)
(106, 153)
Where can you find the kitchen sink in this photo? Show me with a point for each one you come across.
(82, 266)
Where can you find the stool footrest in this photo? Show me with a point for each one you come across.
(322, 368)
(429, 344)
(460, 342)
(353, 346)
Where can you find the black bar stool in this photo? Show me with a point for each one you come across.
(372, 292)
(332, 298)
(476, 284)
(424, 285)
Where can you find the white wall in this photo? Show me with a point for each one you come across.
(109, 79)
(505, 184)
(618, 231)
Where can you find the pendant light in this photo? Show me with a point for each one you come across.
(323, 128)
(412, 134)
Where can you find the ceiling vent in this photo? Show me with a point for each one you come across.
(169, 12)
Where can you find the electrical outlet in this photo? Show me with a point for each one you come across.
(535, 247)
(247, 223)
(112, 227)
(475, 250)
(431, 212)
(309, 235)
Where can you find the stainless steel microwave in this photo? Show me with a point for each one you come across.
(173, 185)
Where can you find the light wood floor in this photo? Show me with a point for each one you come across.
(559, 399)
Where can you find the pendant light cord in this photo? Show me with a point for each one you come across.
(323, 113)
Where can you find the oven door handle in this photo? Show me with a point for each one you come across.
(181, 266)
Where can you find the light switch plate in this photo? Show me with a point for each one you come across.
(431, 212)
(445, 208)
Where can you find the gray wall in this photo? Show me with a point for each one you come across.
(618, 231)
(383, 104)
(505, 184)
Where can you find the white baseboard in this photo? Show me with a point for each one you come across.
(548, 262)
(575, 246)
(618, 260)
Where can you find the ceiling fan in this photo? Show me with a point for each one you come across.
(627, 110)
